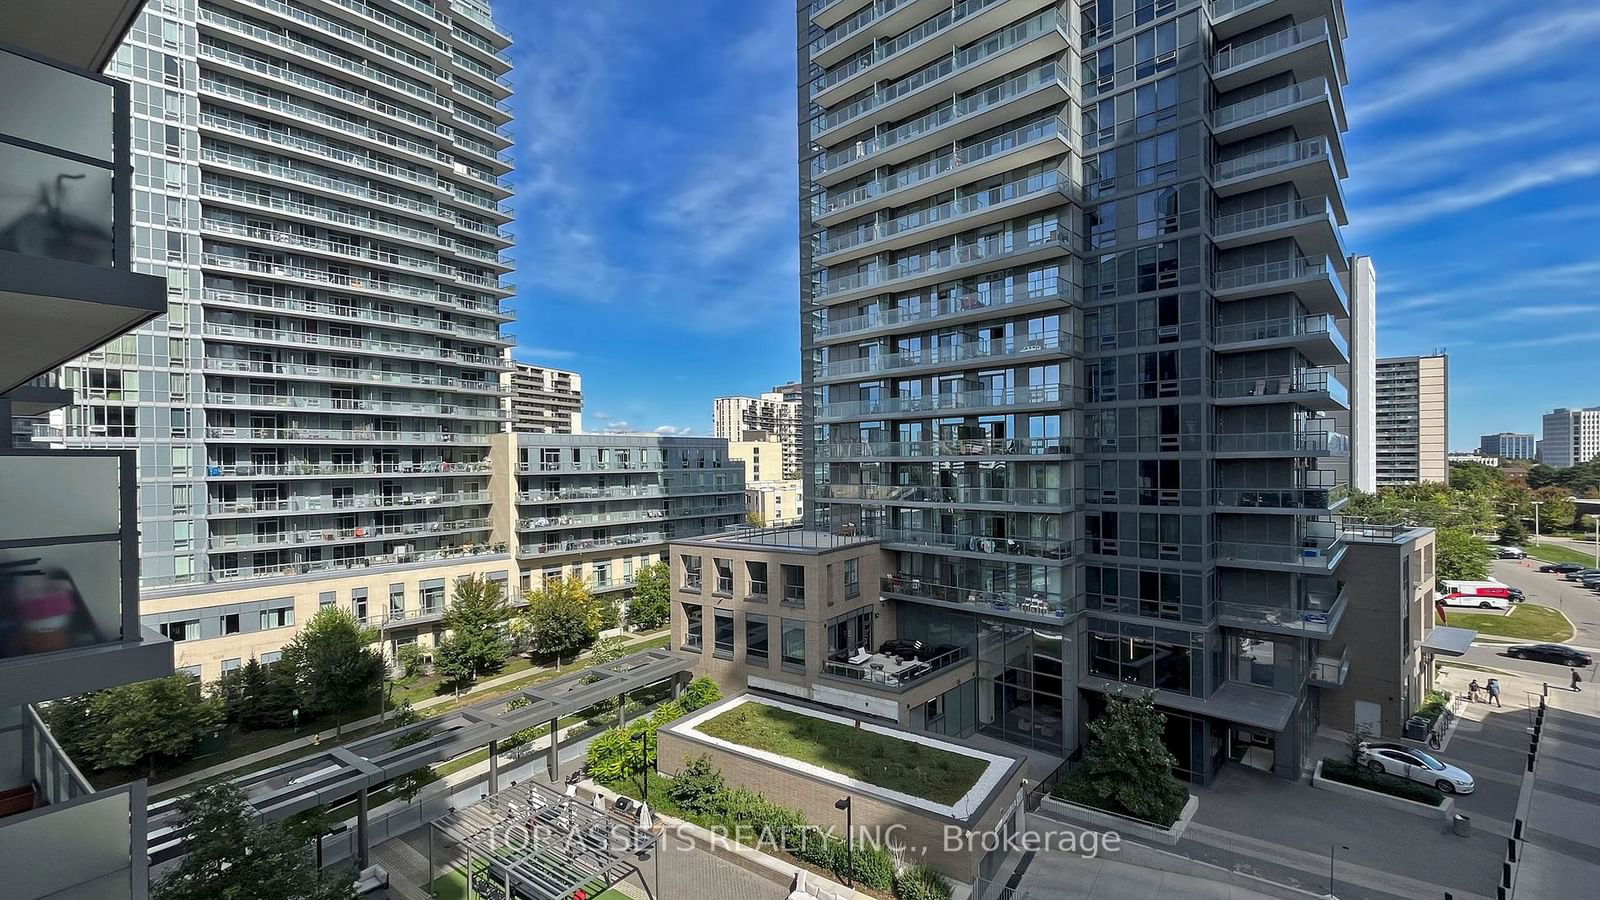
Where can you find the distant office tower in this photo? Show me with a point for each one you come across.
(1507, 445)
(1571, 436)
(1360, 420)
(546, 400)
(323, 185)
(1074, 293)
(775, 412)
(1412, 410)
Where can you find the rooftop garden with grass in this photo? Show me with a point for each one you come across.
(879, 759)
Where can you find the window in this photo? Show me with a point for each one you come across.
(230, 623)
(757, 573)
(691, 573)
(397, 601)
(358, 603)
(692, 627)
(278, 617)
(432, 599)
(794, 643)
(326, 599)
(755, 639)
(852, 578)
(228, 665)
(724, 576)
(794, 584)
(187, 630)
(723, 632)
(268, 659)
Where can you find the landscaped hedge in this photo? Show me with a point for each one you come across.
(618, 753)
(1433, 705)
(1345, 772)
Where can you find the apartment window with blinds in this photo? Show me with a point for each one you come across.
(277, 617)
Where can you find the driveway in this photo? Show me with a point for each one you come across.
(1575, 601)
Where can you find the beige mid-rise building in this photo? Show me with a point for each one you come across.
(545, 400)
(777, 412)
(1412, 419)
(774, 503)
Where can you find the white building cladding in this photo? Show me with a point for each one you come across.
(1570, 436)
(322, 183)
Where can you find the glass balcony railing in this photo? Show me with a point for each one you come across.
(463, 552)
(331, 504)
(1282, 442)
(1317, 615)
(341, 373)
(321, 89)
(1053, 181)
(967, 301)
(855, 23)
(964, 155)
(577, 546)
(984, 100)
(1270, 102)
(1309, 498)
(1044, 342)
(1034, 548)
(1278, 214)
(1273, 158)
(891, 674)
(393, 348)
(300, 176)
(1041, 395)
(1003, 596)
(1282, 270)
(957, 257)
(368, 407)
(1309, 381)
(578, 520)
(1236, 55)
(955, 447)
(320, 469)
(914, 493)
(248, 434)
(594, 492)
(364, 314)
(354, 35)
(224, 542)
(1290, 327)
(550, 466)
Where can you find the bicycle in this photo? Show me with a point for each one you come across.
(1436, 735)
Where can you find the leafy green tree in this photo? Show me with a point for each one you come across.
(135, 724)
(1475, 476)
(476, 620)
(755, 519)
(1127, 766)
(453, 663)
(609, 610)
(1461, 555)
(258, 696)
(1556, 509)
(607, 650)
(652, 597)
(562, 618)
(1512, 531)
(412, 661)
(335, 670)
(231, 856)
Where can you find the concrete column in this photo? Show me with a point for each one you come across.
(553, 762)
(363, 840)
(494, 769)
(622, 710)
(677, 686)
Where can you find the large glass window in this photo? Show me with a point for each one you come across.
(724, 632)
(724, 576)
(852, 578)
(691, 573)
(757, 573)
(794, 584)
(755, 639)
(693, 635)
(794, 643)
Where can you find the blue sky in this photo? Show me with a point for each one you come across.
(657, 199)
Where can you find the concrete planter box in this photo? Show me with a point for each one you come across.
(1100, 820)
(1443, 811)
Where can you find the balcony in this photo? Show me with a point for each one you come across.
(1309, 107)
(595, 493)
(1008, 598)
(1314, 281)
(254, 102)
(66, 283)
(247, 435)
(1235, 17)
(1030, 92)
(1011, 48)
(541, 523)
(973, 448)
(1331, 671)
(1318, 338)
(1011, 200)
(358, 407)
(1056, 395)
(227, 543)
(1313, 389)
(942, 265)
(551, 466)
(69, 554)
(1315, 500)
(342, 344)
(330, 505)
(253, 235)
(940, 495)
(977, 546)
(330, 27)
(881, 19)
(1317, 617)
(341, 373)
(252, 200)
(407, 557)
(1314, 553)
(1313, 224)
(1281, 443)
(343, 313)
(432, 468)
(324, 154)
(298, 178)
(888, 673)
(828, 13)
(1045, 345)
(968, 306)
(561, 548)
(1311, 166)
(1306, 50)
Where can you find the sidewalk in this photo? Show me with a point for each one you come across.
(326, 737)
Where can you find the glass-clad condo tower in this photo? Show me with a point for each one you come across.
(322, 184)
(1073, 289)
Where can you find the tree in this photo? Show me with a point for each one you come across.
(258, 696)
(231, 856)
(1461, 555)
(1513, 532)
(1475, 476)
(335, 671)
(652, 597)
(409, 785)
(412, 660)
(1556, 509)
(607, 650)
(135, 724)
(561, 618)
(453, 663)
(1127, 766)
(476, 620)
(755, 518)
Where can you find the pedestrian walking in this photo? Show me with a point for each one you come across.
(1472, 691)
(1576, 680)
(1494, 691)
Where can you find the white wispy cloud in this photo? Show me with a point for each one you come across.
(1482, 190)
(1557, 340)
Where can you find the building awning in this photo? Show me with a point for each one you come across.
(1244, 704)
(1446, 641)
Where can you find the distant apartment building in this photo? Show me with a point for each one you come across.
(775, 503)
(545, 400)
(1571, 436)
(1475, 458)
(762, 455)
(1412, 419)
(776, 412)
(1507, 445)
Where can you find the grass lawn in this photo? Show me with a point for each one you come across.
(1560, 553)
(888, 762)
(1526, 621)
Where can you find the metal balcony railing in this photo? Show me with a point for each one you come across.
(961, 256)
(1235, 55)
(890, 674)
(1005, 596)
(1288, 213)
(340, 373)
(1044, 342)
(1028, 396)
(968, 301)
(1305, 381)
(1054, 181)
(913, 493)
(954, 447)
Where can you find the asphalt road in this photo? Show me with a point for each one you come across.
(1576, 602)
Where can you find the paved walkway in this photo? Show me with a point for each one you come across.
(327, 737)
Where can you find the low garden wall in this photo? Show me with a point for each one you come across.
(1100, 820)
(1442, 811)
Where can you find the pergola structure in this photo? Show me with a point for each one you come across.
(353, 770)
(536, 843)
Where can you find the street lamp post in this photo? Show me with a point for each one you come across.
(1597, 542)
(849, 841)
(1536, 505)
(1331, 849)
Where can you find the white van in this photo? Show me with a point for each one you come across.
(1475, 601)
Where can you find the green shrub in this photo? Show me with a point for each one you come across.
(921, 882)
(1127, 768)
(1433, 705)
(1393, 785)
(874, 866)
(699, 788)
(701, 693)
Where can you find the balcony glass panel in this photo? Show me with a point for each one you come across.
(1273, 157)
(1271, 101)
(1233, 56)
(1276, 214)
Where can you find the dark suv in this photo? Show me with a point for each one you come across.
(1551, 653)
(1561, 568)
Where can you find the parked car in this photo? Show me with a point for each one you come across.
(1510, 553)
(1580, 574)
(1517, 596)
(1561, 568)
(1560, 654)
(1415, 765)
(1475, 601)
